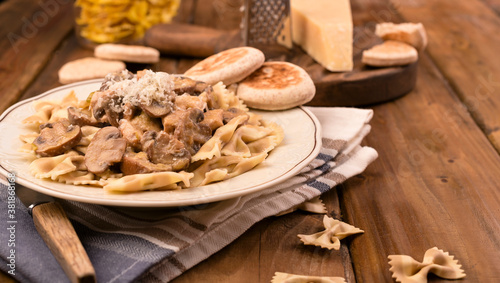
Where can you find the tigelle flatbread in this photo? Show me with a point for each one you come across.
(88, 68)
(411, 33)
(277, 86)
(127, 53)
(390, 53)
(229, 66)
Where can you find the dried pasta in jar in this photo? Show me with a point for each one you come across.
(107, 21)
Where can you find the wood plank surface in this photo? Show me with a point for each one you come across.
(435, 182)
(494, 4)
(272, 245)
(464, 42)
(35, 29)
(424, 190)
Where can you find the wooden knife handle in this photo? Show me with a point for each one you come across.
(191, 40)
(56, 230)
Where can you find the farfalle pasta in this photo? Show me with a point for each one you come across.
(405, 269)
(335, 230)
(148, 131)
(224, 167)
(314, 205)
(282, 277)
(213, 147)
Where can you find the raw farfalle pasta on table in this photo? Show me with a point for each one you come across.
(405, 269)
(281, 277)
(150, 131)
(314, 205)
(335, 230)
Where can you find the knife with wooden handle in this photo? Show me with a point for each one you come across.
(56, 230)
(191, 40)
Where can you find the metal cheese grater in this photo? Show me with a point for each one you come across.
(267, 23)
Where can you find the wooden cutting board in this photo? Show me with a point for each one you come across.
(362, 86)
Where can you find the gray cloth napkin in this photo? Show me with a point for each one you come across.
(157, 245)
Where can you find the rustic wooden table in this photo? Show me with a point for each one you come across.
(435, 183)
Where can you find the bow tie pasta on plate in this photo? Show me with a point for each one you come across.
(148, 131)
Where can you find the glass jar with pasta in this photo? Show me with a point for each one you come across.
(120, 21)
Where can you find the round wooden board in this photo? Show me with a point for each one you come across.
(362, 86)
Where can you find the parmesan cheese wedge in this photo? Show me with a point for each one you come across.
(324, 29)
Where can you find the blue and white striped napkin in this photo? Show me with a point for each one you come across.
(159, 245)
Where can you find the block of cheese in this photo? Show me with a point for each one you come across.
(324, 29)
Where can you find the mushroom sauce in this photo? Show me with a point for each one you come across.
(149, 130)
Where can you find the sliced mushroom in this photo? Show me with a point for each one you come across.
(106, 107)
(230, 113)
(56, 138)
(185, 126)
(157, 109)
(97, 104)
(212, 100)
(165, 149)
(105, 149)
(81, 117)
(138, 163)
(130, 111)
(200, 137)
(180, 118)
(213, 119)
(186, 85)
(115, 77)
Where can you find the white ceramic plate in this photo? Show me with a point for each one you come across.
(300, 146)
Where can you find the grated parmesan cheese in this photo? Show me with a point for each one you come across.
(150, 87)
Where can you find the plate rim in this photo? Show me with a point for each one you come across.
(162, 203)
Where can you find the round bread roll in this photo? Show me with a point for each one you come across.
(390, 53)
(127, 53)
(229, 66)
(411, 33)
(88, 68)
(277, 86)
